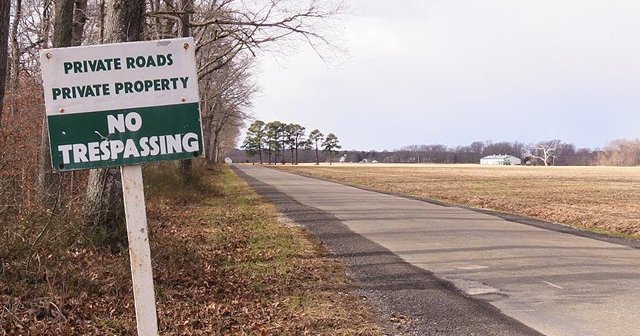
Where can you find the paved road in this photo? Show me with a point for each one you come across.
(555, 283)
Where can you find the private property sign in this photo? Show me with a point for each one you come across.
(122, 104)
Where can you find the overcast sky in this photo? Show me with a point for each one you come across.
(456, 71)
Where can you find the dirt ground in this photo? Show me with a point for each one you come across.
(597, 198)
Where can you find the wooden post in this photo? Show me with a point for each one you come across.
(139, 251)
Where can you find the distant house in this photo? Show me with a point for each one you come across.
(500, 160)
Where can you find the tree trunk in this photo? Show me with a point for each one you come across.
(5, 8)
(104, 207)
(124, 21)
(79, 19)
(211, 146)
(62, 25)
(184, 18)
(101, 14)
(260, 153)
(48, 181)
(284, 151)
(219, 152)
(155, 6)
(317, 156)
(214, 146)
(167, 27)
(46, 24)
(15, 54)
(211, 141)
(185, 165)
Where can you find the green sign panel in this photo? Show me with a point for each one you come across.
(122, 104)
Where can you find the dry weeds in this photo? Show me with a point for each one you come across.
(596, 198)
(223, 265)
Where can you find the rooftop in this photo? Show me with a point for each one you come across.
(499, 156)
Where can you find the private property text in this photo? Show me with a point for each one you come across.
(114, 64)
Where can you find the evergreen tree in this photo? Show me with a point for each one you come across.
(253, 142)
(330, 144)
(273, 134)
(316, 137)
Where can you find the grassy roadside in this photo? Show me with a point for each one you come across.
(597, 199)
(224, 264)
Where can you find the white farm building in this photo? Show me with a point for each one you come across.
(500, 160)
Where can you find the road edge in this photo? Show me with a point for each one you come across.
(393, 310)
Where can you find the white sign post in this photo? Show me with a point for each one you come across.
(120, 105)
(139, 251)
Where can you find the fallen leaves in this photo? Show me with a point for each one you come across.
(223, 265)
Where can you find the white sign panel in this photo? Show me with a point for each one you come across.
(119, 76)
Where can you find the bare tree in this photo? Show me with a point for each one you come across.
(185, 165)
(62, 26)
(477, 147)
(237, 27)
(545, 151)
(103, 203)
(620, 152)
(102, 14)
(48, 181)
(45, 29)
(31, 30)
(226, 100)
(5, 9)
(227, 142)
(15, 53)
(124, 21)
(79, 20)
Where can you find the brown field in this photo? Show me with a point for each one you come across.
(596, 198)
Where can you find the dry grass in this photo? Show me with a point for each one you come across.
(224, 264)
(597, 198)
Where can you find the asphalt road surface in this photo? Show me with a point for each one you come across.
(439, 270)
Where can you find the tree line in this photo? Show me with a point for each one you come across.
(274, 138)
(548, 152)
(620, 152)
